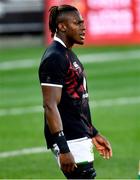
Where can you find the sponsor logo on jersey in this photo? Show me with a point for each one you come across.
(76, 65)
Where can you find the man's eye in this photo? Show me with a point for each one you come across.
(78, 23)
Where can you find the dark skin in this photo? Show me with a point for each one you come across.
(71, 30)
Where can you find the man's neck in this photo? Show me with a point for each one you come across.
(62, 40)
(59, 40)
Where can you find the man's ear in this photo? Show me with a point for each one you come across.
(62, 27)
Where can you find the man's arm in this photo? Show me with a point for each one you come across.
(51, 98)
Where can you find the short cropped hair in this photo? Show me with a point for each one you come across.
(55, 11)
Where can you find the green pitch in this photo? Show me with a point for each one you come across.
(114, 90)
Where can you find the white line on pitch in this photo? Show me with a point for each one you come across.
(24, 151)
(85, 58)
(22, 110)
(16, 64)
(116, 102)
(110, 56)
(96, 104)
(101, 103)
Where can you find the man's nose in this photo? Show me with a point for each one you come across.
(83, 27)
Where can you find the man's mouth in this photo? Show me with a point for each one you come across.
(82, 36)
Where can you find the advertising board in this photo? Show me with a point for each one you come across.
(107, 21)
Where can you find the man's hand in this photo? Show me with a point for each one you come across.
(67, 162)
(103, 146)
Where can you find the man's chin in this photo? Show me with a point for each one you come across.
(80, 42)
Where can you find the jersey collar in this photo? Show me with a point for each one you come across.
(59, 40)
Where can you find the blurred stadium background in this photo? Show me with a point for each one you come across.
(111, 58)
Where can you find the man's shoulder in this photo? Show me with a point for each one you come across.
(55, 50)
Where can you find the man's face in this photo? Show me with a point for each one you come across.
(75, 28)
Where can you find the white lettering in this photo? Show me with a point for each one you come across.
(108, 3)
(76, 65)
(85, 95)
(110, 21)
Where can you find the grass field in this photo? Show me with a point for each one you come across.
(114, 89)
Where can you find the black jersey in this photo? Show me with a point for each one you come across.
(60, 67)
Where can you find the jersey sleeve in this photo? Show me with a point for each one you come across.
(53, 70)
